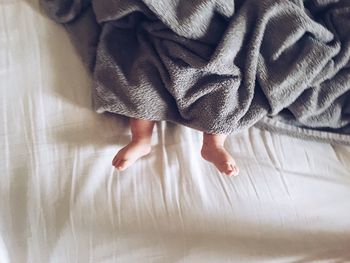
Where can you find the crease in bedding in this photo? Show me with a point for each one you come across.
(218, 66)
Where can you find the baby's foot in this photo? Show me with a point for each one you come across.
(131, 153)
(223, 161)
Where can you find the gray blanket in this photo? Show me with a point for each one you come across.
(218, 66)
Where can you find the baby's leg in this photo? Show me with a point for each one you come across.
(213, 151)
(140, 145)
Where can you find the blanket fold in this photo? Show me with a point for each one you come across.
(218, 66)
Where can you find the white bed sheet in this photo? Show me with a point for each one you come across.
(61, 200)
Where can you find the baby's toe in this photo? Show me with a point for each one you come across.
(235, 170)
(230, 169)
(123, 164)
(225, 168)
(117, 161)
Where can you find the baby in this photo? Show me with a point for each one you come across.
(212, 149)
(164, 60)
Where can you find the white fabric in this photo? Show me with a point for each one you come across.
(61, 200)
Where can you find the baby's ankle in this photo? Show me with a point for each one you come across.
(212, 144)
(214, 140)
(145, 141)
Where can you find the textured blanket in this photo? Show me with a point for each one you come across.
(218, 66)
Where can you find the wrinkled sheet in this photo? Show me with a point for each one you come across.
(61, 200)
(217, 66)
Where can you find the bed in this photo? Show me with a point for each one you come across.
(62, 201)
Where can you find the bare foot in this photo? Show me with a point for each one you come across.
(131, 153)
(223, 161)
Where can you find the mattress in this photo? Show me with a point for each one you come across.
(62, 201)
